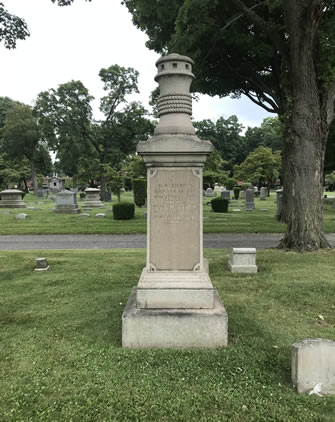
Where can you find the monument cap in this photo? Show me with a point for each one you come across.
(173, 64)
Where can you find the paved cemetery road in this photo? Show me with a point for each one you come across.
(109, 241)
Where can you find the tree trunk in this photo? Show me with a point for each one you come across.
(34, 177)
(102, 183)
(305, 138)
(74, 180)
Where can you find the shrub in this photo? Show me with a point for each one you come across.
(236, 192)
(123, 211)
(140, 191)
(230, 183)
(219, 205)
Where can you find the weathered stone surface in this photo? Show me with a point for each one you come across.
(42, 264)
(175, 304)
(313, 362)
(66, 203)
(225, 194)
(100, 215)
(263, 193)
(21, 216)
(243, 260)
(174, 328)
(92, 199)
(249, 199)
(84, 214)
(209, 192)
(12, 198)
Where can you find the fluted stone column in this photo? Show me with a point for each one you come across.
(174, 304)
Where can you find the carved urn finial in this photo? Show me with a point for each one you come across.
(175, 101)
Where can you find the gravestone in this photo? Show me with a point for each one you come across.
(21, 216)
(209, 192)
(243, 260)
(263, 192)
(225, 194)
(242, 194)
(100, 215)
(107, 197)
(313, 364)
(12, 198)
(40, 193)
(84, 214)
(249, 199)
(279, 202)
(92, 199)
(66, 203)
(174, 304)
(42, 264)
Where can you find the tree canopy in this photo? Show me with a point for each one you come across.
(281, 55)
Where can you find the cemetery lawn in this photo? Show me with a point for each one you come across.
(61, 356)
(43, 221)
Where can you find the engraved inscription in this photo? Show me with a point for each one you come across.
(174, 223)
(174, 203)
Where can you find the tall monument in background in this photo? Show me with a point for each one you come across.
(174, 304)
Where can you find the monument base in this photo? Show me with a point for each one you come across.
(66, 210)
(12, 204)
(174, 328)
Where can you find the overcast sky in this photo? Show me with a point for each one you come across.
(75, 42)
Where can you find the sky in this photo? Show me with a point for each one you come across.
(75, 42)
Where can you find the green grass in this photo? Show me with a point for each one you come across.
(44, 221)
(60, 334)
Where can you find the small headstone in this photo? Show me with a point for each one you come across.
(236, 209)
(264, 209)
(100, 215)
(279, 201)
(243, 260)
(225, 194)
(242, 194)
(21, 216)
(84, 214)
(262, 195)
(249, 199)
(209, 192)
(313, 366)
(40, 193)
(42, 264)
(107, 197)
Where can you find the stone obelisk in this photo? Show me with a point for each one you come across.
(174, 304)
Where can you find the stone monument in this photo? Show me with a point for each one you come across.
(66, 203)
(174, 304)
(250, 198)
(263, 192)
(92, 198)
(12, 198)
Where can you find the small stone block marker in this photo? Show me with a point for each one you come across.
(313, 364)
(100, 215)
(84, 214)
(243, 260)
(42, 264)
(21, 216)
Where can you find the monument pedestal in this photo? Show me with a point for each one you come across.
(174, 328)
(174, 304)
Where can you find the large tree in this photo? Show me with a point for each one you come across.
(66, 116)
(22, 138)
(225, 135)
(281, 55)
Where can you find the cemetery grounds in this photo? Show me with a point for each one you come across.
(60, 348)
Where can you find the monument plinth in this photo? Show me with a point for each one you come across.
(12, 198)
(174, 304)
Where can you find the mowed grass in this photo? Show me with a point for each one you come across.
(44, 221)
(61, 355)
